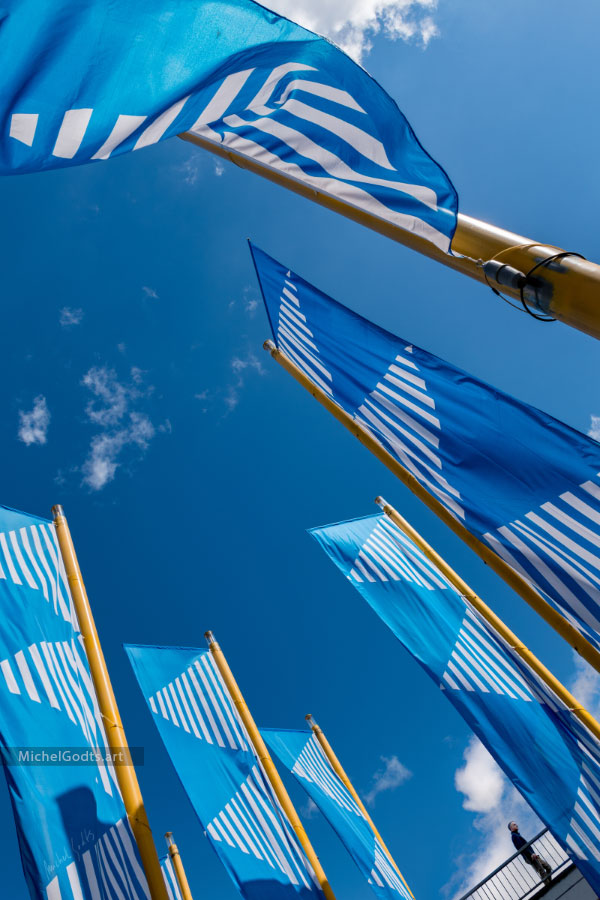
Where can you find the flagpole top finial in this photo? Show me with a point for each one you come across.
(269, 345)
(210, 638)
(57, 510)
(169, 838)
(381, 503)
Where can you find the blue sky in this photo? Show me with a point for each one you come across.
(190, 465)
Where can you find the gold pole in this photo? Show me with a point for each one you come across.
(568, 289)
(337, 768)
(495, 562)
(180, 875)
(497, 624)
(267, 763)
(107, 703)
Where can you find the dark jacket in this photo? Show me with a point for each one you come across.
(519, 841)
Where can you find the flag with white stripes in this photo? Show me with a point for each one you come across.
(74, 837)
(303, 756)
(168, 870)
(548, 754)
(85, 80)
(219, 770)
(522, 482)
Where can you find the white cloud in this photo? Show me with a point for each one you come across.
(111, 409)
(594, 431)
(68, 316)
(33, 425)
(488, 793)
(219, 168)
(352, 24)
(149, 292)
(480, 779)
(309, 810)
(390, 776)
(250, 361)
(585, 686)
(189, 170)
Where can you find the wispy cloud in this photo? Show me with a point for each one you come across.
(495, 801)
(309, 810)
(241, 366)
(585, 686)
(149, 292)
(391, 775)
(189, 170)
(594, 431)
(68, 316)
(112, 409)
(354, 23)
(34, 423)
(219, 168)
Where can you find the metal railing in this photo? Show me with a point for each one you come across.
(515, 879)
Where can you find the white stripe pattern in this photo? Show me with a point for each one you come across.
(30, 558)
(388, 555)
(476, 664)
(400, 415)
(170, 879)
(253, 823)
(279, 122)
(556, 547)
(198, 702)
(313, 766)
(583, 836)
(57, 673)
(296, 339)
(109, 868)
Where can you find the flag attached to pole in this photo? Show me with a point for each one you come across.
(86, 80)
(74, 836)
(503, 701)
(525, 484)
(168, 870)
(221, 774)
(303, 756)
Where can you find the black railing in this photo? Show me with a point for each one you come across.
(515, 879)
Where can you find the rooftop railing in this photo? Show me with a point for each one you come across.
(516, 879)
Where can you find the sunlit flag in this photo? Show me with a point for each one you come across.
(548, 754)
(173, 889)
(86, 80)
(303, 755)
(74, 837)
(522, 482)
(220, 773)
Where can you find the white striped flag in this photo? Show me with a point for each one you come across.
(74, 836)
(525, 484)
(221, 774)
(85, 80)
(303, 756)
(546, 751)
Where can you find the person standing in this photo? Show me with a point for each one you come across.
(532, 858)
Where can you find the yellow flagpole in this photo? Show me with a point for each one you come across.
(337, 768)
(267, 763)
(180, 875)
(115, 734)
(492, 619)
(495, 562)
(567, 288)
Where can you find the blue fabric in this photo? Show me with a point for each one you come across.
(230, 71)
(521, 481)
(550, 757)
(302, 754)
(74, 837)
(220, 773)
(173, 889)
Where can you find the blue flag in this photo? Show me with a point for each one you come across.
(548, 754)
(171, 882)
(86, 80)
(522, 482)
(74, 836)
(303, 755)
(221, 774)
